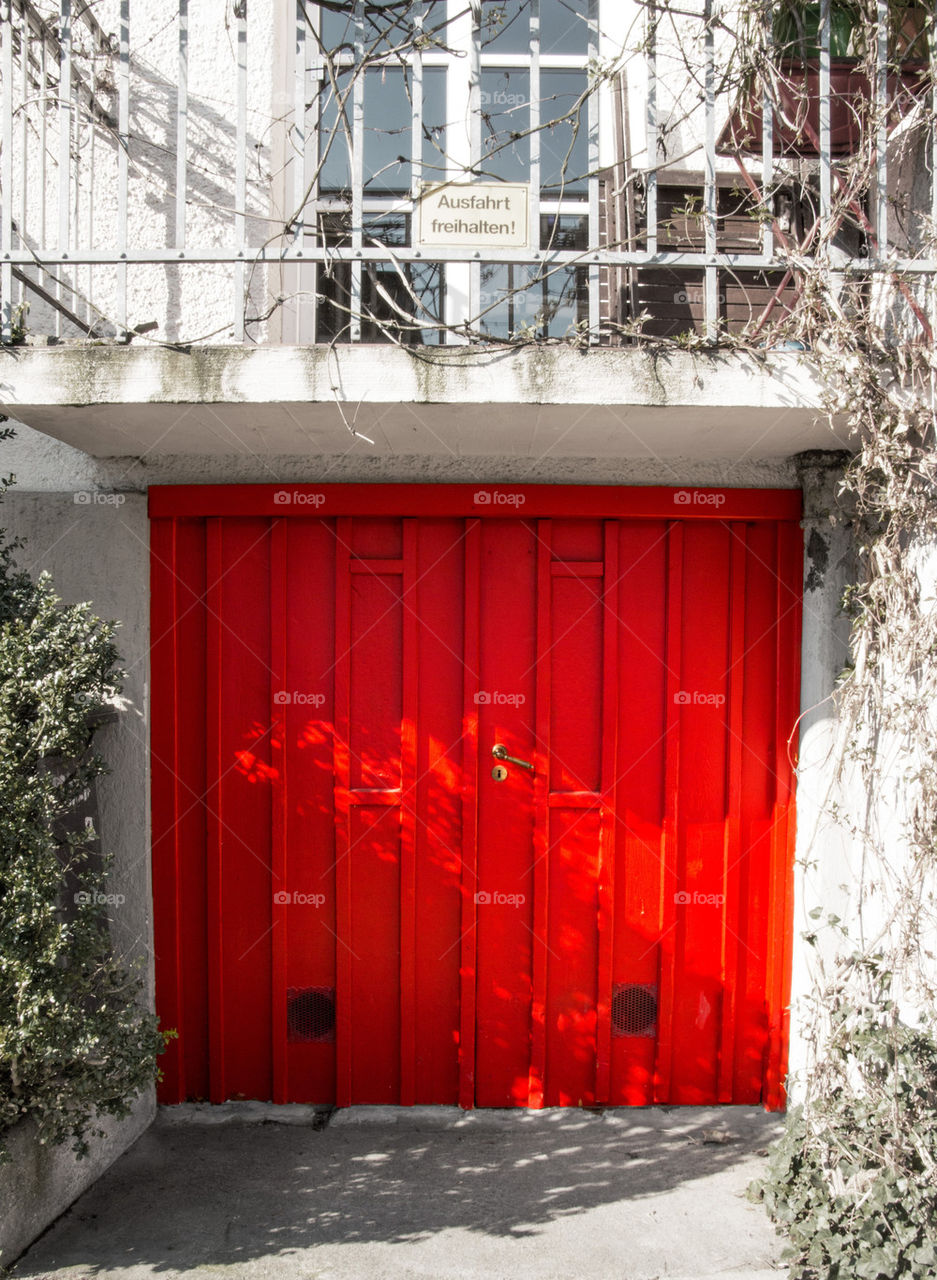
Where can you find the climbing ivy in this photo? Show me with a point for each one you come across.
(853, 1180)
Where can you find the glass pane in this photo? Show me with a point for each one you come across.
(505, 111)
(515, 301)
(387, 130)
(564, 231)
(564, 26)
(505, 26)
(434, 124)
(336, 28)
(394, 307)
(564, 133)
(382, 31)
(387, 118)
(334, 120)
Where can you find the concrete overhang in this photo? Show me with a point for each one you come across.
(603, 402)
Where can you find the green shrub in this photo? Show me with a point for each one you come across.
(75, 1041)
(853, 1180)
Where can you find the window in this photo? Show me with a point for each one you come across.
(398, 302)
(524, 299)
(388, 139)
(395, 106)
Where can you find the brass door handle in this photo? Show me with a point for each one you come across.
(500, 752)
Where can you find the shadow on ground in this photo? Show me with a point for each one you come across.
(626, 1194)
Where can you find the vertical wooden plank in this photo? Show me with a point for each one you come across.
(281, 881)
(640, 597)
(505, 922)
(470, 769)
(697, 989)
(781, 903)
(611, 624)
(374, 747)
(408, 818)
(759, 765)
(215, 768)
(541, 821)
(241, 601)
(733, 851)
(311, 936)
(438, 804)
(343, 883)
(670, 846)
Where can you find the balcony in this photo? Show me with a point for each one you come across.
(252, 177)
(193, 179)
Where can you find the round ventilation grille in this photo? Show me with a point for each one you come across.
(634, 1010)
(310, 1014)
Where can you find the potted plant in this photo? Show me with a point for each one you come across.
(794, 77)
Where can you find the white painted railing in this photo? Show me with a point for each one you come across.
(168, 176)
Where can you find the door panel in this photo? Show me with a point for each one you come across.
(350, 907)
(304, 824)
(505, 701)
(436, 608)
(240, 774)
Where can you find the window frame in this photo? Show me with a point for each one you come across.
(464, 67)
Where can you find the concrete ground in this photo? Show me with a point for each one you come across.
(429, 1193)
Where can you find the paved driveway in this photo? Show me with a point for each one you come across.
(431, 1193)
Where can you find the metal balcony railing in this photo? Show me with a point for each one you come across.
(178, 178)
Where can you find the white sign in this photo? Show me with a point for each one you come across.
(491, 215)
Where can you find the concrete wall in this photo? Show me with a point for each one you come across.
(824, 870)
(95, 552)
(41, 1182)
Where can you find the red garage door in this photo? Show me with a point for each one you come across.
(474, 795)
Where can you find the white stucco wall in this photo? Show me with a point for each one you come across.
(196, 300)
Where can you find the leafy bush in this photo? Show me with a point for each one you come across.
(853, 1179)
(75, 1041)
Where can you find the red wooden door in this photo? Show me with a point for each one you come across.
(476, 796)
